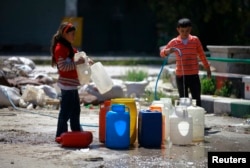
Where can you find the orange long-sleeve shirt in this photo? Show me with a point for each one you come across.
(192, 52)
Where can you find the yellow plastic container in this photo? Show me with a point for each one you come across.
(130, 103)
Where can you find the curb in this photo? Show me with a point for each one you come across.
(239, 108)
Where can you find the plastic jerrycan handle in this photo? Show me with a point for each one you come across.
(128, 110)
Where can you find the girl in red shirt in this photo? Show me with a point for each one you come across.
(63, 57)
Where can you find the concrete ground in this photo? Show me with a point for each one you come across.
(27, 141)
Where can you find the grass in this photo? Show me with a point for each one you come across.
(149, 96)
(135, 75)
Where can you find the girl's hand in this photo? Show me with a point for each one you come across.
(91, 62)
(81, 60)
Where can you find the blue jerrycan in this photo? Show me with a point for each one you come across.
(118, 127)
(150, 129)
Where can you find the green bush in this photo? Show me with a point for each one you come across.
(208, 86)
(135, 75)
(226, 90)
(149, 96)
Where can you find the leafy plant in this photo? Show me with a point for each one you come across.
(226, 90)
(149, 96)
(165, 77)
(208, 86)
(135, 75)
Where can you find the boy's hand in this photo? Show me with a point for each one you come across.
(166, 51)
(208, 73)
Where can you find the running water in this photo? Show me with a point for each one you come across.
(180, 54)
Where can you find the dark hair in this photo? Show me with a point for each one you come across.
(65, 27)
(184, 22)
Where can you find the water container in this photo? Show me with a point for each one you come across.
(150, 129)
(160, 108)
(117, 127)
(131, 104)
(104, 108)
(198, 115)
(83, 70)
(184, 101)
(181, 127)
(101, 78)
(168, 105)
(168, 112)
(75, 139)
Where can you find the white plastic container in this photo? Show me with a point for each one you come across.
(168, 108)
(185, 101)
(164, 104)
(83, 70)
(198, 115)
(181, 129)
(167, 104)
(101, 78)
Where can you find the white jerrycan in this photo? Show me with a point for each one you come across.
(198, 115)
(181, 127)
(83, 70)
(101, 78)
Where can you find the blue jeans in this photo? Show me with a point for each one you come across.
(69, 110)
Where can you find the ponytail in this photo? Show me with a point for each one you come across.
(52, 48)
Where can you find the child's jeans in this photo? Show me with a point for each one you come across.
(69, 110)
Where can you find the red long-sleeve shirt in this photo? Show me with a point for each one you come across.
(188, 63)
(66, 66)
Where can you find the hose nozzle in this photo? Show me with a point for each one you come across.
(177, 49)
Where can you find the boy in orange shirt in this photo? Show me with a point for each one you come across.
(187, 64)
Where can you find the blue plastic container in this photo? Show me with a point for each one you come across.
(117, 127)
(150, 129)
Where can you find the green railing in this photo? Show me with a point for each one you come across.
(229, 60)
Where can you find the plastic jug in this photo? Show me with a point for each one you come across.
(131, 104)
(117, 127)
(104, 108)
(83, 70)
(101, 78)
(167, 104)
(150, 129)
(77, 139)
(181, 127)
(160, 108)
(168, 112)
(198, 115)
(184, 101)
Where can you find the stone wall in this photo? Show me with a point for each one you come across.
(227, 52)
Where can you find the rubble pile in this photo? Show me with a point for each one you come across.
(23, 86)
